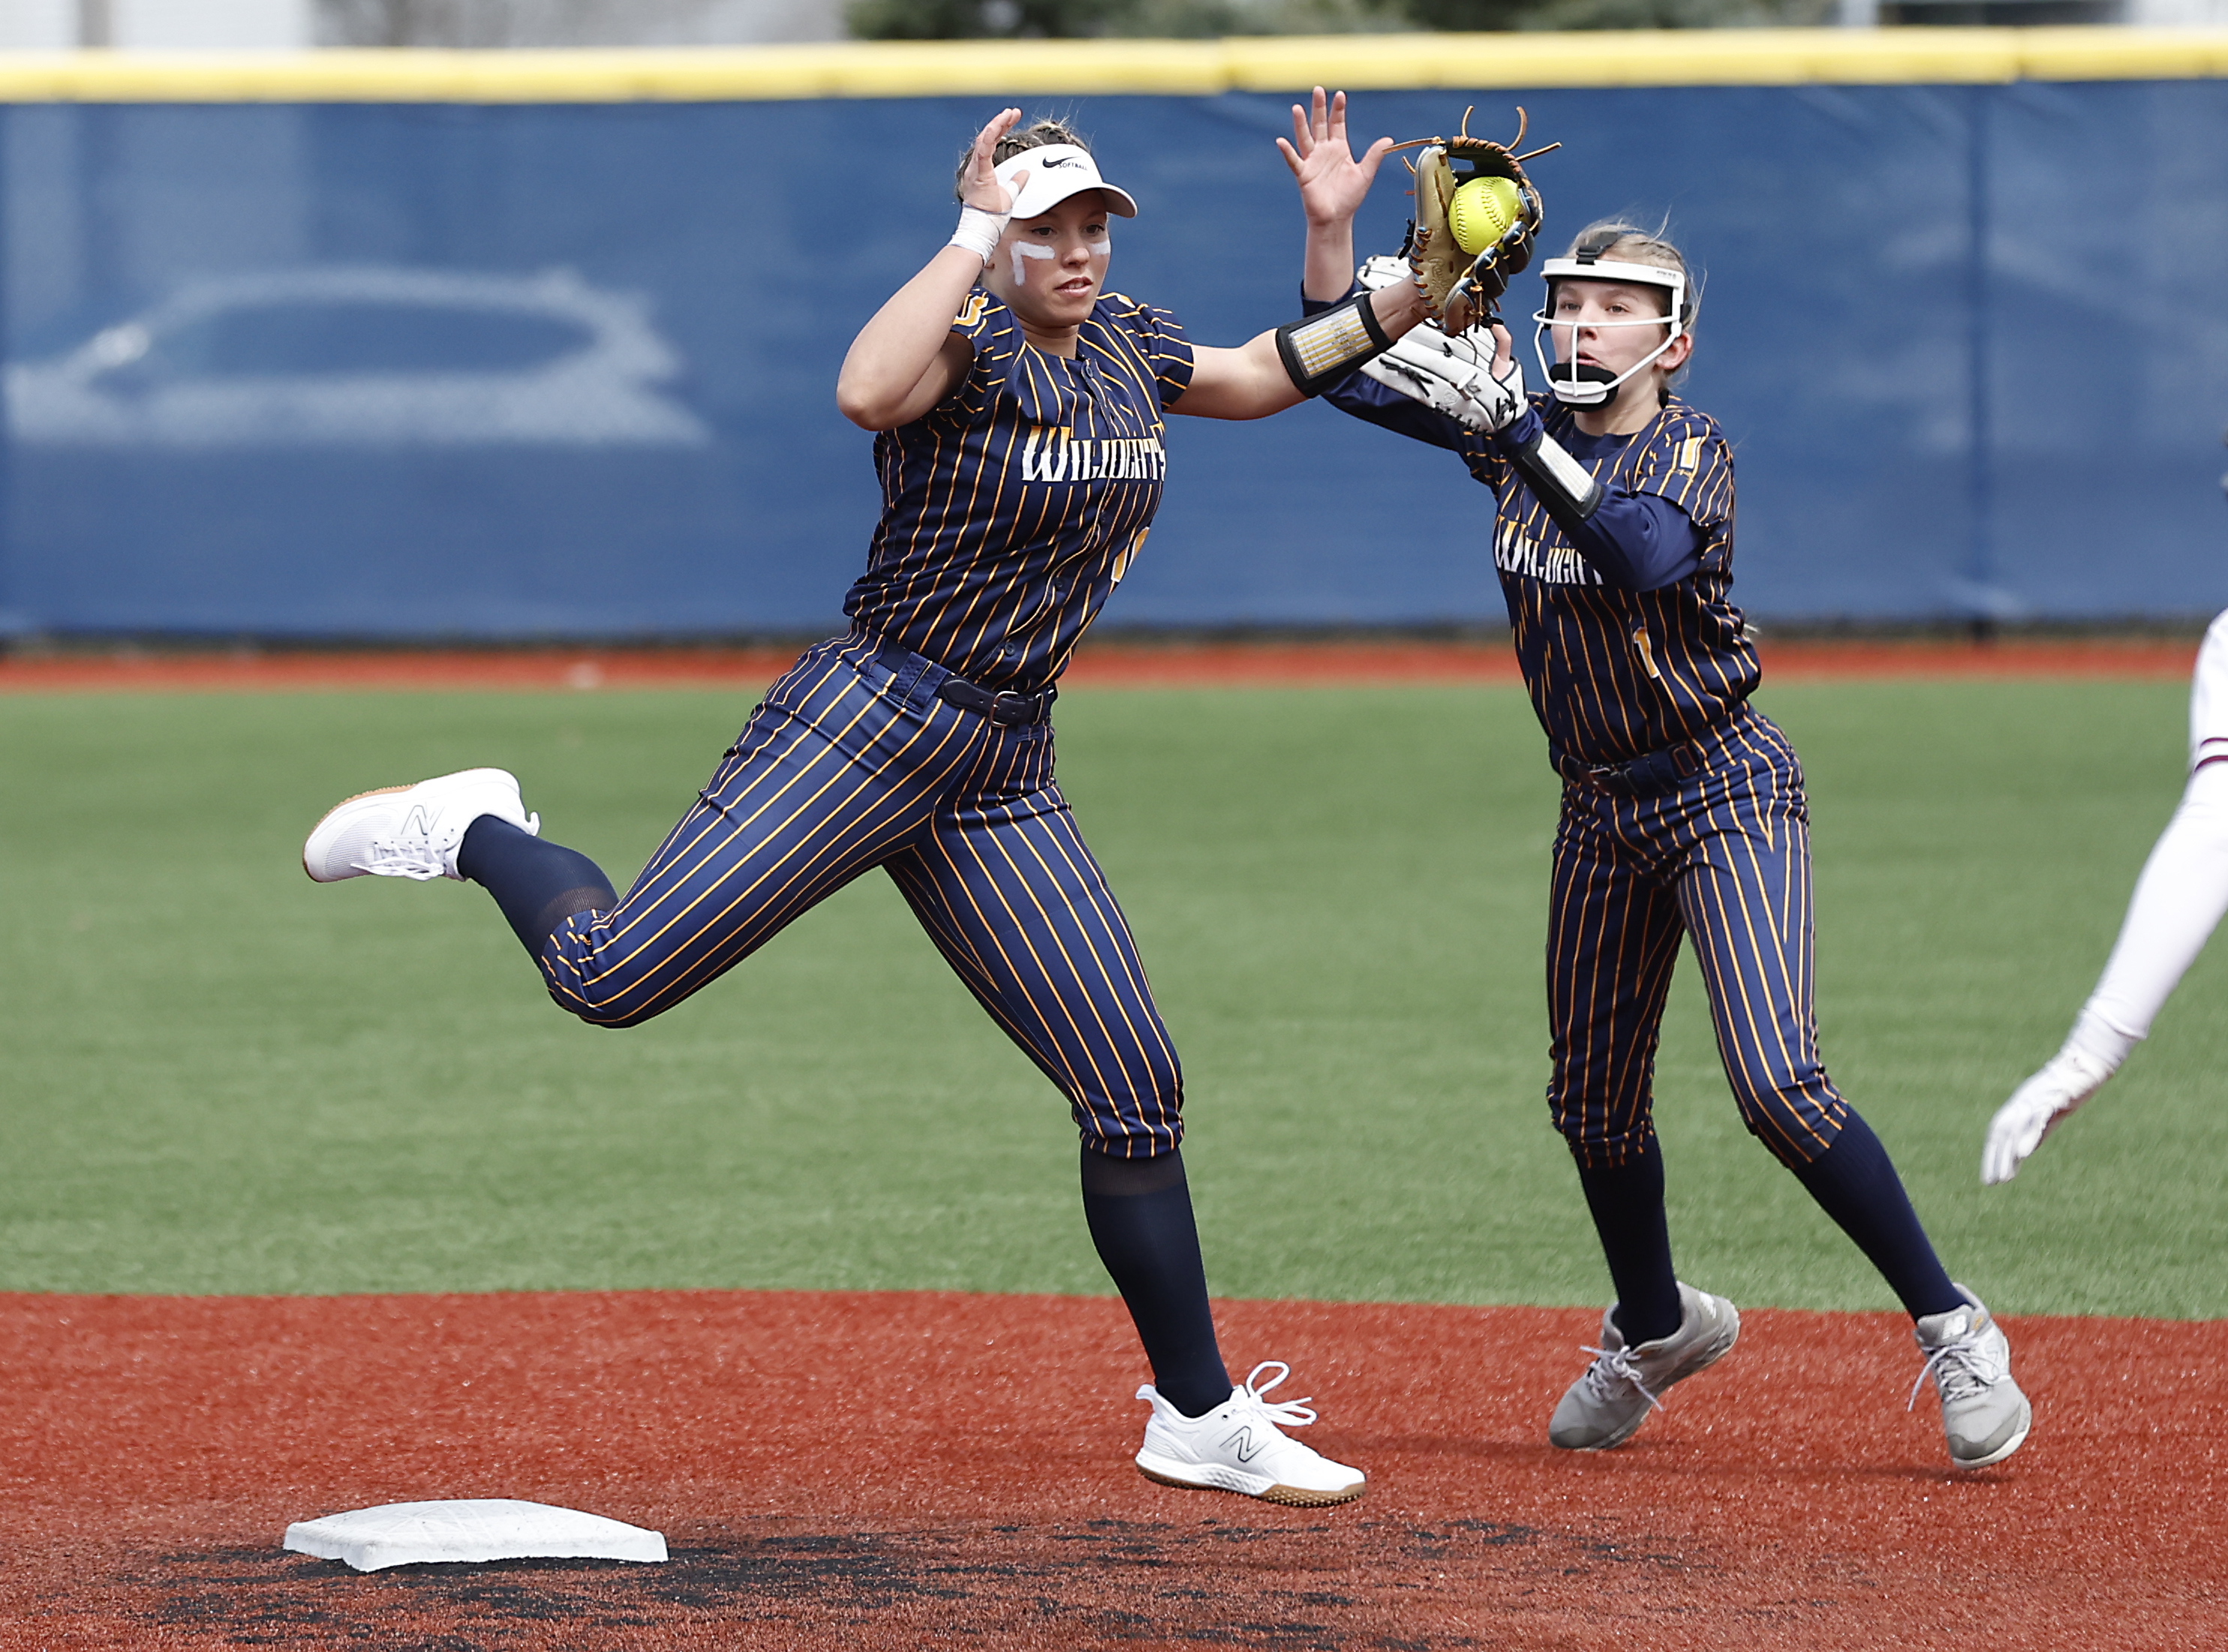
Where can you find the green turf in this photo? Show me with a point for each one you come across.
(222, 1078)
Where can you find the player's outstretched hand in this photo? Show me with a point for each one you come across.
(985, 189)
(2036, 1109)
(1333, 184)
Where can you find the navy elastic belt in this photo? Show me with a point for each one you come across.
(1006, 708)
(1649, 774)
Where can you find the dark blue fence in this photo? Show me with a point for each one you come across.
(385, 370)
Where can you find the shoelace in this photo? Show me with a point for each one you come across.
(415, 856)
(1614, 1364)
(1959, 1368)
(402, 857)
(1285, 1413)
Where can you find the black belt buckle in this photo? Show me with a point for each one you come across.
(1649, 774)
(1006, 708)
(1594, 777)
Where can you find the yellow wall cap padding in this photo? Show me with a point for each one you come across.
(1197, 68)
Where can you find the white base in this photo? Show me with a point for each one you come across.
(486, 1528)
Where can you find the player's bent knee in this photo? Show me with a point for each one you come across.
(1131, 1129)
(614, 1015)
(604, 1001)
(1792, 1124)
(1597, 1146)
(614, 1020)
(587, 980)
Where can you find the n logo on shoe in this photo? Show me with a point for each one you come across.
(1243, 1445)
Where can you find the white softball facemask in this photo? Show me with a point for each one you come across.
(1578, 384)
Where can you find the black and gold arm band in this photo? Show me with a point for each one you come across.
(1324, 347)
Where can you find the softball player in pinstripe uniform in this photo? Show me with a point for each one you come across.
(1019, 414)
(1683, 811)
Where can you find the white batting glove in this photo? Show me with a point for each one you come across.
(2036, 1109)
(1451, 376)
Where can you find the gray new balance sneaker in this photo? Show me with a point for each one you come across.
(1607, 1405)
(1985, 1417)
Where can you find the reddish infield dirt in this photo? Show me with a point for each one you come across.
(1113, 665)
(900, 1469)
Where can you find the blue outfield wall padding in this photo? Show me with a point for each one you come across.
(474, 371)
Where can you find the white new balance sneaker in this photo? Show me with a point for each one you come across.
(1238, 1446)
(1985, 1417)
(1611, 1400)
(412, 830)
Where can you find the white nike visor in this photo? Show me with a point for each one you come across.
(1040, 179)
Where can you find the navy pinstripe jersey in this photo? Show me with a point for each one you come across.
(1012, 510)
(1613, 673)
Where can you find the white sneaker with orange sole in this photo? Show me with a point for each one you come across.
(412, 830)
(1241, 1446)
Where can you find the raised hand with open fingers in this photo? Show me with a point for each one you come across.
(985, 191)
(1333, 181)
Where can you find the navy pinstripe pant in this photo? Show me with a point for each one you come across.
(1726, 859)
(852, 763)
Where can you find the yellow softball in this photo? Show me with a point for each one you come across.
(1482, 212)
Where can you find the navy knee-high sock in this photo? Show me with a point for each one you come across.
(537, 885)
(1139, 1210)
(1627, 1202)
(1855, 1183)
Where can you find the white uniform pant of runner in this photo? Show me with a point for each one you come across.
(2183, 890)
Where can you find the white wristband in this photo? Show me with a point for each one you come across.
(979, 231)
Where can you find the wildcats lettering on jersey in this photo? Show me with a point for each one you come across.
(1515, 551)
(1050, 454)
(986, 560)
